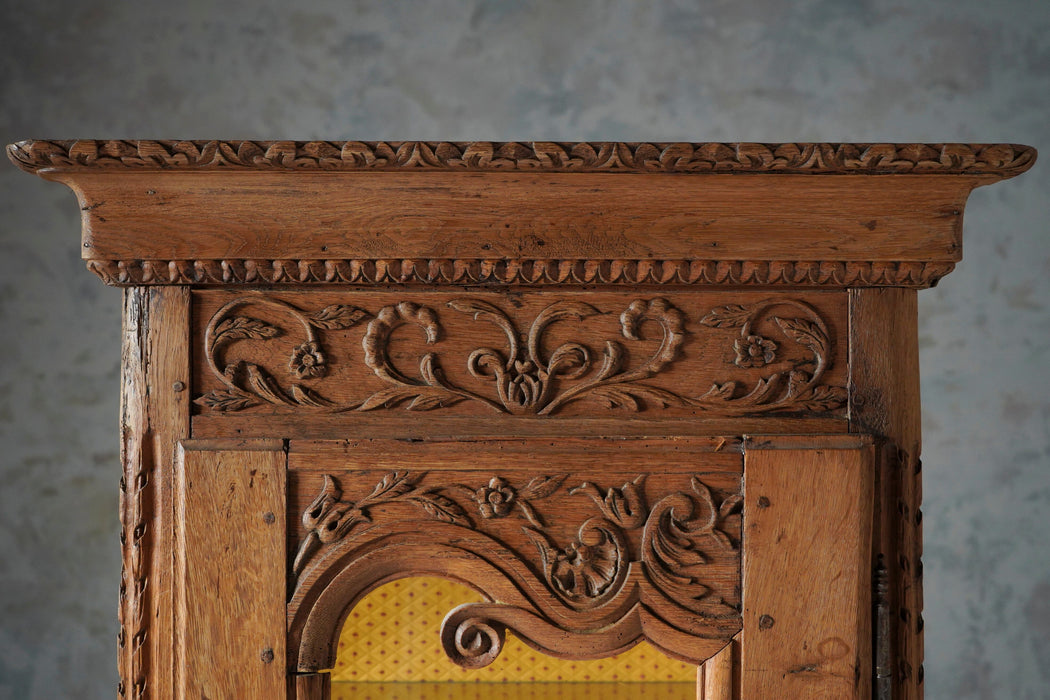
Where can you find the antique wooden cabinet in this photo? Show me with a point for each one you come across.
(627, 392)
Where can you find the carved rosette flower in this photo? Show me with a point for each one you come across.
(584, 570)
(754, 351)
(495, 500)
(589, 568)
(307, 361)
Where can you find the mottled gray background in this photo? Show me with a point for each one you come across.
(830, 70)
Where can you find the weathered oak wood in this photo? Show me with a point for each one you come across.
(542, 213)
(807, 569)
(531, 369)
(884, 401)
(155, 414)
(717, 677)
(230, 570)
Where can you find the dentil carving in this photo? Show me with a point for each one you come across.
(522, 271)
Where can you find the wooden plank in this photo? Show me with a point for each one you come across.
(155, 400)
(310, 686)
(136, 502)
(231, 571)
(807, 572)
(448, 215)
(413, 425)
(715, 676)
(884, 401)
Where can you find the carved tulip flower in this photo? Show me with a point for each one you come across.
(307, 361)
(754, 351)
(495, 500)
(524, 385)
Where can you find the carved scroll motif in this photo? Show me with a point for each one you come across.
(522, 377)
(628, 571)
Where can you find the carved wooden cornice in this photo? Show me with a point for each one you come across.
(520, 214)
(531, 272)
(1004, 160)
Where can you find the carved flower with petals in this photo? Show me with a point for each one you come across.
(307, 361)
(754, 351)
(495, 500)
(585, 570)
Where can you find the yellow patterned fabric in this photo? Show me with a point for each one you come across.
(392, 636)
(513, 691)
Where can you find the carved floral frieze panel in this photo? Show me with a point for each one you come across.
(606, 555)
(728, 354)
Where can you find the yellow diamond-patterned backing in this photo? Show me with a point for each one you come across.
(392, 636)
(514, 691)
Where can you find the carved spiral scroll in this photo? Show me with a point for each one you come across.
(472, 635)
(469, 640)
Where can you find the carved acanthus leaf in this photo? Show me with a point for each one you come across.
(875, 158)
(678, 529)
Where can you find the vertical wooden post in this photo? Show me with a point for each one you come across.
(807, 567)
(884, 401)
(714, 678)
(310, 686)
(231, 569)
(154, 416)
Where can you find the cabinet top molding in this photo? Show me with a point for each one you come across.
(540, 213)
(1001, 160)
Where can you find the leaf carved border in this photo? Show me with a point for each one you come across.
(519, 355)
(524, 271)
(819, 158)
(574, 568)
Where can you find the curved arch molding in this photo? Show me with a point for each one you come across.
(625, 555)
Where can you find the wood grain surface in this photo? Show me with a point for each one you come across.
(884, 401)
(807, 568)
(155, 402)
(230, 572)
